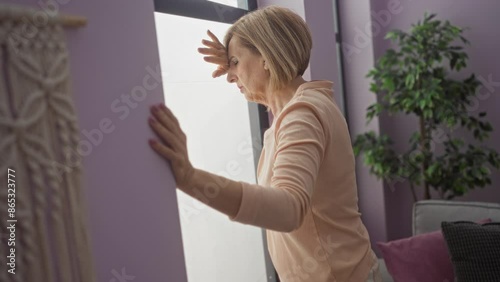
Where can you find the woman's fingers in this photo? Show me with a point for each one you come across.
(216, 60)
(216, 54)
(164, 110)
(161, 117)
(211, 44)
(168, 138)
(163, 150)
(212, 51)
(218, 73)
(221, 70)
(213, 37)
(166, 128)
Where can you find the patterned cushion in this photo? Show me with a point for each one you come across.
(474, 250)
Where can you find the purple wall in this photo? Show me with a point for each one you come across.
(358, 59)
(484, 36)
(130, 191)
(323, 64)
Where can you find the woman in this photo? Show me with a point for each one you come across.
(306, 196)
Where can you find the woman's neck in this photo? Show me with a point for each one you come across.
(280, 98)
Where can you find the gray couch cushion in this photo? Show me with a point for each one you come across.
(428, 214)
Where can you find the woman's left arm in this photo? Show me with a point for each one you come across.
(281, 207)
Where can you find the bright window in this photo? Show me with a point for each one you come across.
(217, 121)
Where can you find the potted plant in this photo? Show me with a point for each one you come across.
(415, 80)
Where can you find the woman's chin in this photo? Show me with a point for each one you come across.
(251, 97)
(248, 96)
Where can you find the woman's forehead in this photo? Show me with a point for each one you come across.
(238, 45)
(237, 48)
(233, 46)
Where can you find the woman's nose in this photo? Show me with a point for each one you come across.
(231, 77)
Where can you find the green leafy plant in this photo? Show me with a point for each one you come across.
(415, 80)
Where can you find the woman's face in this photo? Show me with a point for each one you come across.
(246, 69)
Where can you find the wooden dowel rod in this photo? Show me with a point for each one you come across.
(18, 13)
(73, 21)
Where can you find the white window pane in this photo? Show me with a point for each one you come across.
(214, 115)
(232, 3)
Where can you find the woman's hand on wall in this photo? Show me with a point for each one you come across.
(214, 190)
(216, 54)
(172, 145)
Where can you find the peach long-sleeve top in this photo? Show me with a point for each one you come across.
(306, 196)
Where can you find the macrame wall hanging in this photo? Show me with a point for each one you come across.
(38, 150)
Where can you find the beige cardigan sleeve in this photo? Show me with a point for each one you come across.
(299, 149)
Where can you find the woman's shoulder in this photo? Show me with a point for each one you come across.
(316, 92)
(310, 104)
(313, 100)
(317, 95)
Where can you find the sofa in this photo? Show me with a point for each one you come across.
(428, 215)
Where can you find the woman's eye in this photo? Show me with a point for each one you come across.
(234, 62)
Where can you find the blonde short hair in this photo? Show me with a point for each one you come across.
(280, 36)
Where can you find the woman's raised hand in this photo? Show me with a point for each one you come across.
(216, 54)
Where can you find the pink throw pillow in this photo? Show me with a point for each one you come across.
(419, 258)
